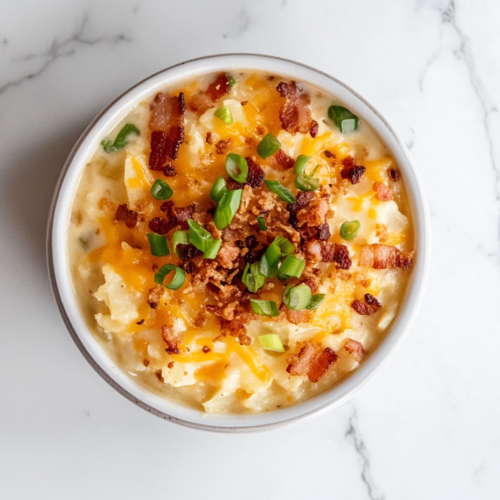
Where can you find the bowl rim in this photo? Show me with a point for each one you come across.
(323, 402)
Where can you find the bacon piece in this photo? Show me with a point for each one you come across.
(209, 139)
(159, 225)
(167, 129)
(321, 364)
(314, 214)
(283, 160)
(325, 251)
(394, 175)
(380, 256)
(302, 199)
(369, 307)
(227, 255)
(324, 232)
(295, 114)
(182, 214)
(297, 317)
(169, 170)
(126, 215)
(170, 338)
(234, 327)
(384, 193)
(155, 295)
(223, 146)
(206, 99)
(299, 363)
(255, 173)
(355, 349)
(352, 171)
(329, 154)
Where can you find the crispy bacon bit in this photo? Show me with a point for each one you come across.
(325, 251)
(297, 317)
(124, 214)
(341, 256)
(384, 193)
(321, 364)
(171, 364)
(324, 232)
(369, 307)
(206, 349)
(295, 114)
(206, 99)
(159, 375)
(140, 323)
(189, 252)
(182, 214)
(380, 256)
(244, 103)
(228, 255)
(352, 171)
(223, 146)
(169, 170)
(255, 173)
(209, 139)
(355, 349)
(302, 199)
(145, 362)
(328, 154)
(159, 225)
(314, 214)
(283, 160)
(170, 338)
(155, 294)
(167, 129)
(394, 174)
(234, 327)
(166, 206)
(299, 363)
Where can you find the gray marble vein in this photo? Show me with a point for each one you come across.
(353, 434)
(62, 48)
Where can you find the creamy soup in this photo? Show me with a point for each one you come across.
(240, 242)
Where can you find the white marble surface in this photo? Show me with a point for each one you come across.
(428, 426)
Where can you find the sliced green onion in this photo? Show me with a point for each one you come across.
(237, 167)
(270, 260)
(227, 208)
(199, 237)
(349, 230)
(161, 190)
(179, 238)
(291, 266)
(315, 301)
(297, 297)
(121, 139)
(282, 192)
(271, 342)
(232, 81)
(285, 245)
(268, 146)
(213, 250)
(158, 244)
(343, 118)
(218, 189)
(252, 278)
(224, 115)
(300, 164)
(306, 183)
(177, 281)
(264, 307)
(303, 181)
(262, 223)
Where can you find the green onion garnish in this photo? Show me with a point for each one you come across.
(232, 81)
(158, 244)
(270, 260)
(227, 208)
(315, 301)
(213, 250)
(218, 189)
(121, 139)
(280, 190)
(237, 167)
(300, 164)
(161, 190)
(285, 245)
(271, 342)
(297, 297)
(268, 146)
(349, 230)
(264, 307)
(178, 280)
(306, 183)
(262, 223)
(303, 181)
(199, 237)
(252, 278)
(291, 266)
(179, 238)
(343, 118)
(225, 115)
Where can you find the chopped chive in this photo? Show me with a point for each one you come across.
(268, 146)
(213, 249)
(199, 236)
(270, 260)
(343, 118)
(315, 301)
(285, 245)
(252, 278)
(227, 208)
(237, 167)
(306, 184)
(303, 181)
(158, 244)
(349, 230)
(264, 307)
(262, 223)
(121, 139)
(300, 164)
(297, 297)
(271, 342)
(218, 189)
(224, 115)
(282, 192)
(292, 266)
(232, 81)
(179, 238)
(161, 190)
(178, 279)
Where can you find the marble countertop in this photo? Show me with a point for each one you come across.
(428, 425)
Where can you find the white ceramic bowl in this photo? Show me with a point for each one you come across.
(59, 269)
